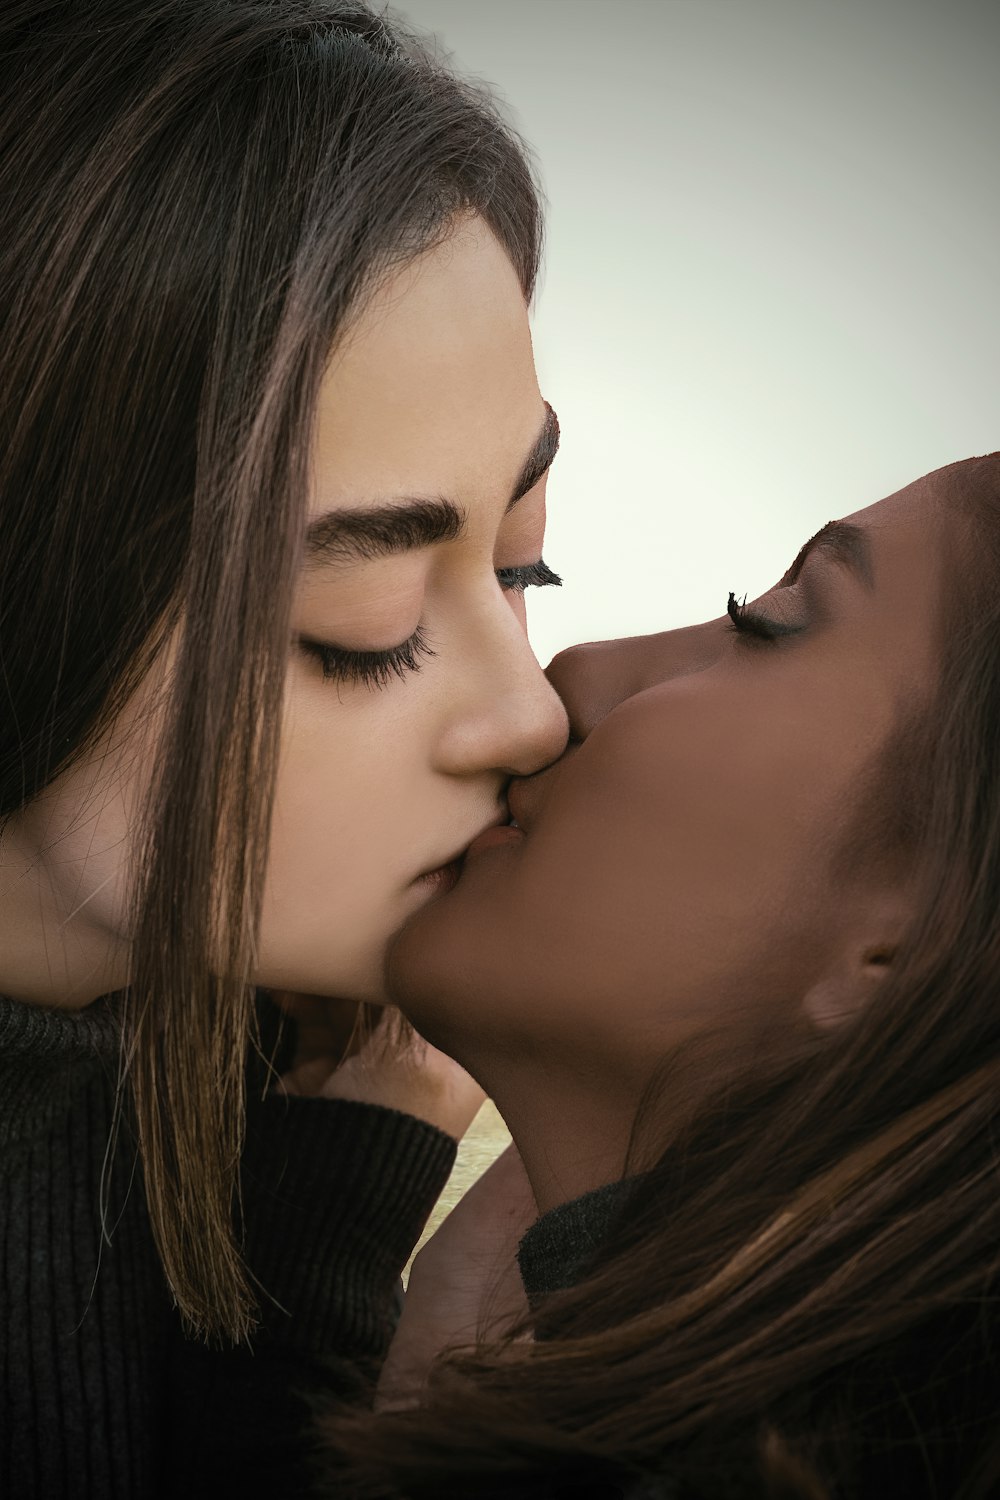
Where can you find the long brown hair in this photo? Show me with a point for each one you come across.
(195, 195)
(799, 1295)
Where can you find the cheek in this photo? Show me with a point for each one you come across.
(695, 834)
(346, 837)
(339, 802)
(671, 876)
(700, 856)
(519, 606)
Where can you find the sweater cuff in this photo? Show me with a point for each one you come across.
(335, 1195)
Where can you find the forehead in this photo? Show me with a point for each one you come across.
(909, 505)
(919, 537)
(909, 527)
(434, 385)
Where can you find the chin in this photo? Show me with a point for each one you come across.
(363, 981)
(447, 979)
(420, 969)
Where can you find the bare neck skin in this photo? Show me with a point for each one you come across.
(570, 1140)
(49, 959)
(61, 881)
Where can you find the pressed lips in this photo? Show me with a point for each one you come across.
(491, 837)
(446, 874)
(443, 878)
(526, 794)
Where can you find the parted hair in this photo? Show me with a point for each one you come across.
(800, 1294)
(196, 196)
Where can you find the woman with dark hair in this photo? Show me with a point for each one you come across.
(271, 491)
(732, 980)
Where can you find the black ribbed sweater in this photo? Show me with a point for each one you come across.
(101, 1396)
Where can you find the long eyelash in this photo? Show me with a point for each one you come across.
(743, 620)
(535, 575)
(376, 668)
(748, 622)
(373, 668)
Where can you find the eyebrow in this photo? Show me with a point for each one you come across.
(843, 543)
(539, 460)
(363, 533)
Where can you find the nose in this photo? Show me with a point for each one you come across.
(593, 679)
(509, 718)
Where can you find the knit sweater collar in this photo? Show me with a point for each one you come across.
(554, 1252)
(49, 1033)
(46, 1055)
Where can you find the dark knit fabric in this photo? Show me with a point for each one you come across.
(907, 1442)
(553, 1255)
(554, 1252)
(101, 1397)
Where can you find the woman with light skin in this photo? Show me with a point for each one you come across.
(732, 980)
(272, 488)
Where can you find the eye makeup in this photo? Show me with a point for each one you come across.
(752, 624)
(749, 622)
(535, 575)
(373, 668)
(376, 669)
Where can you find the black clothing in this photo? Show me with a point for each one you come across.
(101, 1396)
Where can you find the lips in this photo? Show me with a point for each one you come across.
(449, 869)
(526, 794)
(443, 878)
(491, 838)
(521, 795)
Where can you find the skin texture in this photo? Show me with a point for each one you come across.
(432, 394)
(464, 1284)
(673, 877)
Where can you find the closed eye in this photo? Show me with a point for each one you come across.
(749, 622)
(374, 669)
(534, 575)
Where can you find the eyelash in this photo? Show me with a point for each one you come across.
(535, 575)
(376, 668)
(749, 623)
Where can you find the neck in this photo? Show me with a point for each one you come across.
(570, 1139)
(48, 955)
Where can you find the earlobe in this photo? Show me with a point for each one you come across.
(843, 993)
(874, 922)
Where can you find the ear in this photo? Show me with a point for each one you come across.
(859, 966)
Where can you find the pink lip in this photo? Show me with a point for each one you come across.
(443, 878)
(500, 833)
(446, 874)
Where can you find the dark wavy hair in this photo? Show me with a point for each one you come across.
(195, 196)
(800, 1296)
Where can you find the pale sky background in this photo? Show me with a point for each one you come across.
(772, 284)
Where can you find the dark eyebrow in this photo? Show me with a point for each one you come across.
(539, 460)
(378, 531)
(844, 543)
(359, 535)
